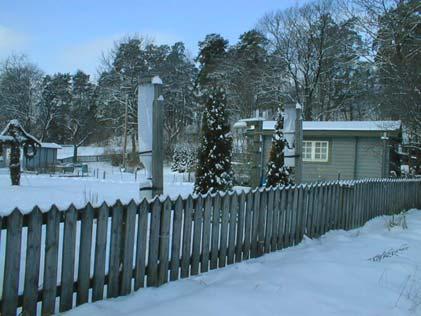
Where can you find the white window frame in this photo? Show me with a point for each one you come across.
(313, 150)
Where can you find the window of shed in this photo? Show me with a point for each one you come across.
(316, 151)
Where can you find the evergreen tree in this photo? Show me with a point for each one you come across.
(184, 158)
(81, 122)
(214, 166)
(278, 173)
(54, 107)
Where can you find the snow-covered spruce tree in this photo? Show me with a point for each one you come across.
(184, 158)
(214, 171)
(277, 172)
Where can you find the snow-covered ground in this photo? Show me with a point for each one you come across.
(45, 190)
(374, 270)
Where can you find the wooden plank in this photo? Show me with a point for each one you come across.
(309, 211)
(303, 210)
(154, 243)
(293, 215)
(224, 230)
(68, 259)
(187, 229)
(141, 244)
(216, 216)
(282, 218)
(261, 222)
(240, 229)
(51, 262)
(12, 264)
(232, 228)
(276, 213)
(176, 239)
(255, 223)
(248, 225)
(204, 265)
(115, 250)
(335, 198)
(290, 218)
(197, 234)
(316, 211)
(83, 278)
(323, 217)
(129, 225)
(269, 220)
(33, 254)
(164, 242)
(329, 206)
(300, 214)
(100, 253)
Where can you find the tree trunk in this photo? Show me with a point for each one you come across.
(15, 164)
(74, 153)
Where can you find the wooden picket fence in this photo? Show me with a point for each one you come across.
(57, 260)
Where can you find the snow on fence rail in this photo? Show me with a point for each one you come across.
(56, 260)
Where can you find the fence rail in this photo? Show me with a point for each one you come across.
(57, 260)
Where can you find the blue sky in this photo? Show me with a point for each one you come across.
(61, 35)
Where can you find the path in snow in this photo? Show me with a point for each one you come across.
(328, 276)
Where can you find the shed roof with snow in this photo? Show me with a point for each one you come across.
(361, 126)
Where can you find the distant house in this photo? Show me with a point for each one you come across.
(45, 158)
(331, 149)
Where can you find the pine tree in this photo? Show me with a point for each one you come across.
(278, 173)
(214, 166)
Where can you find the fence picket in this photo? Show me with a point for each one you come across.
(261, 222)
(12, 264)
(197, 234)
(255, 224)
(300, 214)
(232, 228)
(164, 242)
(152, 279)
(141, 244)
(51, 262)
(87, 216)
(276, 213)
(224, 230)
(269, 221)
(187, 228)
(176, 240)
(33, 254)
(282, 218)
(68, 262)
(240, 227)
(100, 252)
(115, 250)
(129, 225)
(216, 212)
(204, 265)
(247, 225)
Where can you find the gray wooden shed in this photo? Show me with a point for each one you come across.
(45, 158)
(331, 149)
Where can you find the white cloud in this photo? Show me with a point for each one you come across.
(11, 41)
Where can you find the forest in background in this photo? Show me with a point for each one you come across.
(357, 60)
